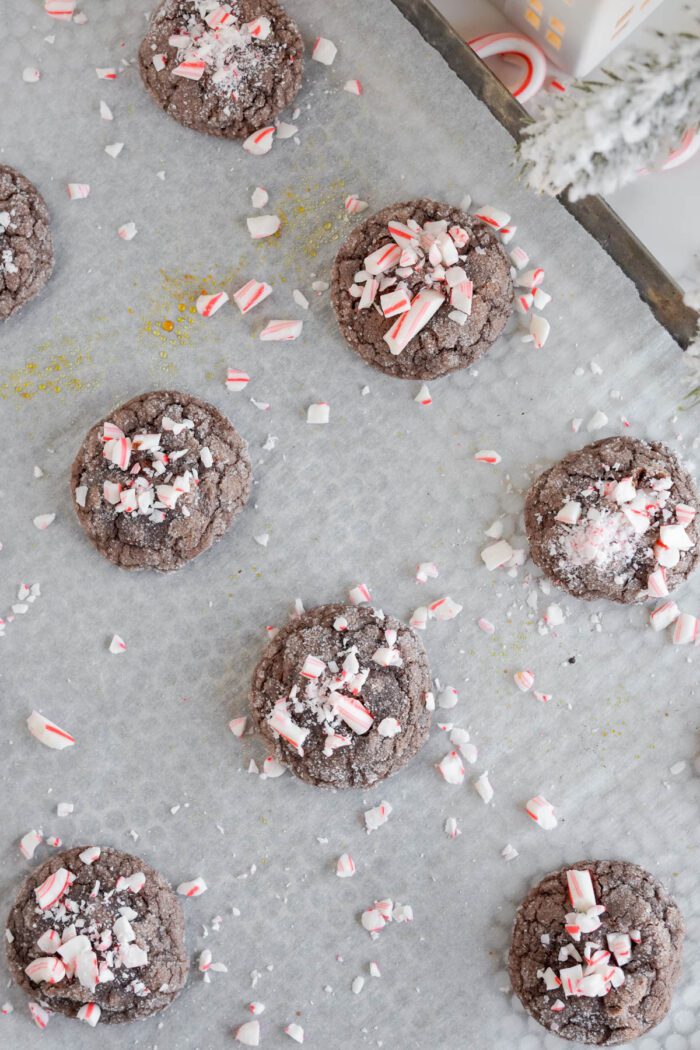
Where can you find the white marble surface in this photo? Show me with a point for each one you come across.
(663, 209)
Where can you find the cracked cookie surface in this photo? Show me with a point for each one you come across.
(198, 451)
(443, 346)
(90, 906)
(246, 81)
(601, 555)
(634, 901)
(390, 693)
(26, 246)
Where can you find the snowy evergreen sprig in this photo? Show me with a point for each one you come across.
(598, 136)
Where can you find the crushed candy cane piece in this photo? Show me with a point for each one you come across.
(192, 889)
(318, 413)
(353, 204)
(444, 609)
(485, 625)
(281, 331)
(207, 305)
(29, 843)
(448, 698)
(89, 1012)
(664, 615)
(324, 51)
(251, 294)
(295, 1032)
(53, 888)
(353, 87)
(389, 727)
(451, 768)
(493, 217)
(46, 970)
(236, 380)
(685, 630)
(260, 226)
(48, 732)
(249, 1033)
(581, 892)
(42, 521)
(78, 190)
(426, 570)
(260, 142)
(90, 855)
(128, 231)
(509, 852)
(237, 726)
(117, 645)
(345, 867)
(542, 812)
(597, 421)
(497, 555)
(487, 456)
(40, 1015)
(423, 396)
(483, 788)
(359, 594)
(524, 680)
(61, 10)
(378, 815)
(31, 75)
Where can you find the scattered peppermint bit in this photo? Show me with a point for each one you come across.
(426, 570)
(260, 226)
(318, 413)
(353, 87)
(353, 204)
(128, 231)
(295, 1032)
(105, 111)
(509, 852)
(114, 149)
(483, 788)
(61, 10)
(451, 828)
(542, 812)
(358, 984)
(29, 843)
(42, 521)
(30, 75)
(359, 594)
(444, 609)
(487, 456)
(324, 51)
(117, 645)
(106, 74)
(48, 733)
(236, 380)
(281, 331)
(77, 191)
(596, 422)
(259, 197)
(423, 396)
(451, 768)
(192, 889)
(524, 680)
(485, 625)
(251, 294)
(374, 818)
(260, 142)
(300, 299)
(345, 867)
(249, 1033)
(207, 305)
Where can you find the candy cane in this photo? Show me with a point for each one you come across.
(281, 331)
(53, 888)
(313, 667)
(236, 380)
(353, 713)
(260, 142)
(359, 594)
(424, 306)
(280, 721)
(251, 294)
(383, 259)
(542, 812)
(324, 51)
(207, 305)
(89, 1012)
(444, 609)
(29, 843)
(345, 867)
(48, 733)
(581, 892)
(192, 889)
(493, 217)
(134, 883)
(515, 44)
(61, 10)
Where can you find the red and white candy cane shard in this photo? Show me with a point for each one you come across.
(581, 892)
(249, 1033)
(423, 396)
(569, 513)
(525, 302)
(686, 629)
(313, 667)
(539, 330)
(620, 944)
(78, 190)
(89, 1012)
(485, 625)
(664, 615)
(541, 299)
(295, 1032)
(448, 698)
(487, 456)
(117, 645)
(570, 977)
(49, 942)
(426, 570)
(353, 713)
(656, 583)
(353, 87)
(395, 302)
(195, 888)
(318, 413)
(369, 293)
(419, 619)
(353, 204)
(519, 258)
(236, 380)
(207, 305)
(29, 843)
(260, 28)
(518, 48)
(237, 726)
(90, 855)
(191, 70)
(359, 594)
(106, 74)
(61, 10)
(444, 609)
(272, 768)
(282, 723)
(221, 16)
(383, 259)
(483, 787)
(259, 197)
(53, 888)
(281, 331)
(462, 295)
(402, 234)
(40, 1016)
(128, 231)
(493, 217)
(260, 142)
(531, 279)
(260, 226)
(675, 537)
(345, 868)
(451, 768)
(685, 513)
(42, 521)
(48, 732)
(324, 51)
(373, 920)
(424, 306)
(524, 680)
(543, 698)
(507, 233)
(134, 883)
(251, 294)
(542, 812)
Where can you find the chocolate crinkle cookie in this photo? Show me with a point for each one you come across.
(160, 480)
(98, 935)
(224, 69)
(421, 289)
(26, 247)
(596, 952)
(340, 694)
(616, 519)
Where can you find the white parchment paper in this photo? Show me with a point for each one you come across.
(385, 485)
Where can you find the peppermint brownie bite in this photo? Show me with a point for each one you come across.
(340, 694)
(26, 247)
(421, 289)
(596, 952)
(225, 69)
(160, 480)
(98, 935)
(616, 520)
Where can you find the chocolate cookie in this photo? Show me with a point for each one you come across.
(98, 935)
(225, 69)
(616, 520)
(340, 694)
(160, 480)
(26, 248)
(596, 952)
(421, 289)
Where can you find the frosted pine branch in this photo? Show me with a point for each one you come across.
(599, 136)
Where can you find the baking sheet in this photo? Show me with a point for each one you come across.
(387, 484)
